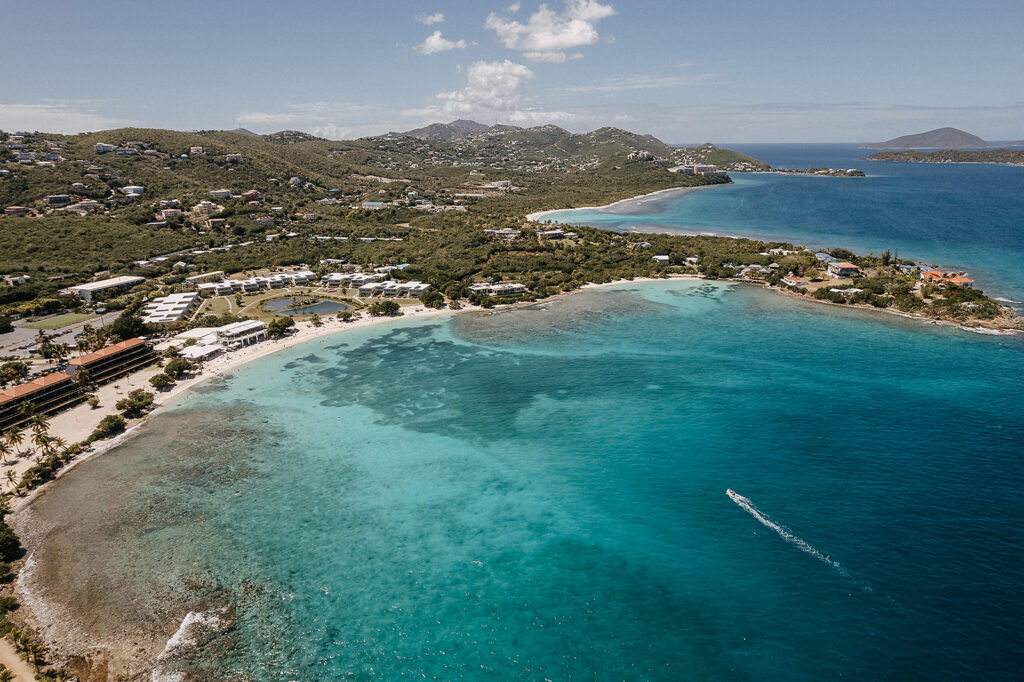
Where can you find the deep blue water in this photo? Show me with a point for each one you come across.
(958, 216)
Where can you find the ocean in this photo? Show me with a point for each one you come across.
(956, 216)
(540, 493)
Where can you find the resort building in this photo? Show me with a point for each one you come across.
(843, 269)
(794, 281)
(113, 361)
(118, 284)
(244, 333)
(939, 277)
(48, 394)
(664, 260)
(172, 308)
(221, 193)
(103, 147)
(498, 288)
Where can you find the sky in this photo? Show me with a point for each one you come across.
(684, 71)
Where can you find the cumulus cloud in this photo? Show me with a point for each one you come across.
(493, 90)
(58, 116)
(430, 19)
(547, 34)
(436, 43)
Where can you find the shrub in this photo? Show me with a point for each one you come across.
(136, 404)
(110, 425)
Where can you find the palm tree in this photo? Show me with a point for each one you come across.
(41, 440)
(5, 451)
(40, 423)
(5, 674)
(60, 444)
(12, 478)
(14, 438)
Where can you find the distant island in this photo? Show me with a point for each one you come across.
(1002, 155)
(940, 138)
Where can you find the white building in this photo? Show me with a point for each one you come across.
(242, 333)
(172, 308)
(88, 291)
(498, 288)
(221, 193)
(133, 190)
(103, 147)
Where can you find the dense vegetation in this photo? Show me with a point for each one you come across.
(1002, 155)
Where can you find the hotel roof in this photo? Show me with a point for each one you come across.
(105, 352)
(30, 387)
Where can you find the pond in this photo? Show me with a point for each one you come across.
(321, 307)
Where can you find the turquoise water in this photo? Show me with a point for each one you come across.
(540, 494)
(958, 216)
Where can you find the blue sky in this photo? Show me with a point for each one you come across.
(722, 71)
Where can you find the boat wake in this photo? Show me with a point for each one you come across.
(748, 506)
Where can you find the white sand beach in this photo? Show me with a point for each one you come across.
(538, 216)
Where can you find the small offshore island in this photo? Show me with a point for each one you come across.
(1002, 155)
(156, 258)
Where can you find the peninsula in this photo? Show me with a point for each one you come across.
(1002, 155)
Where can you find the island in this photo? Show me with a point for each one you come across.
(940, 138)
(1002, 155)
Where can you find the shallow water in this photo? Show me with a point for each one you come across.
(957, 216)
(540, 493)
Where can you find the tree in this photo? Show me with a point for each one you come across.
(161, 381)
(345, 315)
(13, 371)
(5, 451)
(93, 401)
(433, 299)
(316, 321)
(5, 324)
(14, 438)
(127, 326)
(380, 308)
(110, 425)
(137, 403)
(279, 326)
(178, 367)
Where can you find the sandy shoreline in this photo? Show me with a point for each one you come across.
(537, 216)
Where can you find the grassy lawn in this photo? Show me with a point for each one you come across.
(215, 306)
(60, 321)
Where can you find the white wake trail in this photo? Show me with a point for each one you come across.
(748, 506)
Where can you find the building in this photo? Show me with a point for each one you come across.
(794, 281)
(193, 151)
(221, 193)
(48, 394)
(169, 309)
(843, 269)
(16, 210)
(133, 190)
(252, 195)
(17, 280)
(103, 147)
(664, 260)
(498, 288)
(264, 220)
(939, 277)
(171, 213)
(113, 361)
(242, 333)
(373, 205)
(118, 284)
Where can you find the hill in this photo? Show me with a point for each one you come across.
(940, 138)
(551, 146)
(456, 130)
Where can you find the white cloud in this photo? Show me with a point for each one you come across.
(493, 90)
(551, 57)
(58, 116)
(641, 82)
(547, 34)
(430, 19)
(436, 43)
(514, 7)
